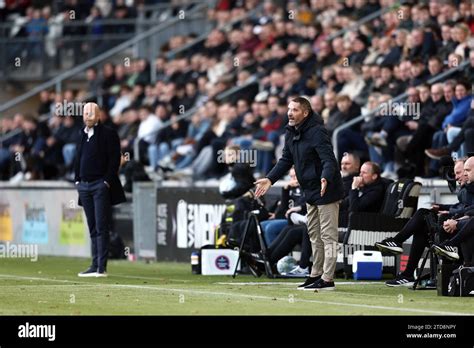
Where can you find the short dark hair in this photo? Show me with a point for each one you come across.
(305, 104)
(375, 168)
(465, 83)
(438, 59)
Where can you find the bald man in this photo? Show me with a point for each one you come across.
(96, 178)
(462, 228)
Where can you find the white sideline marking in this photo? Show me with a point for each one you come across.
(271, 298)
(292, 284)
(150, 278)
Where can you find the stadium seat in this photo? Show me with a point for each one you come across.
(365, 229)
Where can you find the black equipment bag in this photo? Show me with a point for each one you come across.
(461, 282)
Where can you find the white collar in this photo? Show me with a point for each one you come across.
(89, 131)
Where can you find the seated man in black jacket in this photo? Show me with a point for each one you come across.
(418, 228)
(350, 166)
(367, 189)
(462, 228)
(240, 177)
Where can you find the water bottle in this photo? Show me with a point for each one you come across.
(195, 263)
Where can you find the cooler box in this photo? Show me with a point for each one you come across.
(218, 261)
(367, 264)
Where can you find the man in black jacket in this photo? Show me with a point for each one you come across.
(350, 165)
(418, 228)
(308, 147)
(368, 190)
(96, 178)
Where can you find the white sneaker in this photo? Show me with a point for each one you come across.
(87, 273)
(299, 271)
(17, 178)
(101, 275)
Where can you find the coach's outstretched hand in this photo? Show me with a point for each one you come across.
(262, 186)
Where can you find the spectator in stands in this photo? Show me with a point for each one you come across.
(360, 51)
(387, 84)
(36, 29)
(461, 36)
(446, 45)
(149, 126)
(418, 228)
(423, 44)
(45, 103)
(461, 104)
(354, 83)
(469, 70)
(432, 115)
(125, 100)
(435, 66)
(346, 111)
(93, 83)
(462, 138)
(240, 177)
(418, 72)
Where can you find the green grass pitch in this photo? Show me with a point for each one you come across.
(50, 286)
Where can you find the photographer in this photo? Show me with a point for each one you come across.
(419, 229)
(240, 177)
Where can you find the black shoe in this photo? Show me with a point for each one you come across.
(446, 250)
(320, 285)
(389, 245)
(308, 281)
(90, 272)
(401, 280)
(252, 263)
(255, 270)
(258, 257)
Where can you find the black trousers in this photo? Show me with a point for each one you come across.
(286, 241)
(467, 249)
(95, 199)
(421, 141)
(418, 228)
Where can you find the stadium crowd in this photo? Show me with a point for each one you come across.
(287, 49)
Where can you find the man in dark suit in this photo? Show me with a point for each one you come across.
(308, 147)
(96, 179)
